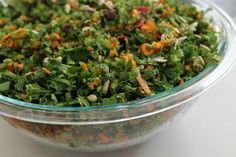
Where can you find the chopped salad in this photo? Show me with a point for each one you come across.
(99, 52)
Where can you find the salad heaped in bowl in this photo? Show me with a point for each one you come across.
(97, 75)
(93, 53)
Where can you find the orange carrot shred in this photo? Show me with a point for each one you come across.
(55, 44)
(2, 21)
(10, 67)
(135, 13)
(20, 56)
(146, 51)
(12, 27)
(165, 13)
(187, 67)
(158, 45)
(94, 83)
(112, 53)
(103, 139)
(85, 66)
(57, 36)
(129, 57)
(113, 44)
(20, 66)
(149, 27)
(199, 14)
(181, 82)
(46, 71)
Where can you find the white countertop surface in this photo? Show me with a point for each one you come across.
(208, 130)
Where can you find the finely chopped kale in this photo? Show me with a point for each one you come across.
(97, 52)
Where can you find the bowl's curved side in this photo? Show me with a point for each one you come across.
(100, 137)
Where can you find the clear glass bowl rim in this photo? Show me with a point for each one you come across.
(208, 78)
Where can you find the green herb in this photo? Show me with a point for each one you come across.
(5, 86)
(16, 4)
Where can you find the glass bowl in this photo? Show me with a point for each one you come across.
(92, 129)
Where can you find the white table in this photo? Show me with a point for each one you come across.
(208, 130)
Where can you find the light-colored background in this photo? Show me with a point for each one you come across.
(208, 130)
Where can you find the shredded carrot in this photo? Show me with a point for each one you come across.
(158, 45)
(95, 18)
(55, 44)
(133, 63)
(46, 71)
(12, 44)
(2, 21)
(91, 85)
(94, 83)
(146, 51)
(12, 27)
(20, 66)
(181, 82)
(149, 27)
(129, 27)
(143, 84)
(166, 13)
(103, 139)
(122, 54)
(10, 67)
(129, 57)
(135, 13)
(199, 14)
(168, 24)
(21, 34)
(7, 36)
(121, 138)
(112, 53)
(161, 1)
(20, 56)
(187, 67)
(174, 9)
(57, 36)
(113, 44)
(85, 66)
